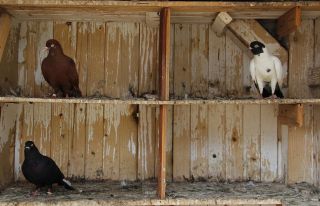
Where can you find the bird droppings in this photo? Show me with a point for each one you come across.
(182, 193)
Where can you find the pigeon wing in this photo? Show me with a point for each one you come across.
(54, 174)
(253, 70)
(278, 69)
(72, 73)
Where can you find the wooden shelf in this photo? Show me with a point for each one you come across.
(143, 193)
(155, 102)
(71, 10)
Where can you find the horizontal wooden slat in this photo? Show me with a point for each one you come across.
(157, 102)
(29, 9)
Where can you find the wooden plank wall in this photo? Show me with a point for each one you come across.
(215, 142)
(89, 140)
(219, 142)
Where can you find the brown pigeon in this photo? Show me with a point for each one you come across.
(60, 71)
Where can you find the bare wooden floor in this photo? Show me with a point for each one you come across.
(143, 193)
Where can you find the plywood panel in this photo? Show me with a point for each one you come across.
(269, 141)
(234, 142)
(252, 142)
(216, 142)
(94, 142)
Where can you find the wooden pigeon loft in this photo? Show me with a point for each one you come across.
(171, 118)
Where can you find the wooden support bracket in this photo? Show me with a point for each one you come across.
(314, 77)
(220, 23)
(289, 22)
(5, 23)
(291, 114)
(164, 95)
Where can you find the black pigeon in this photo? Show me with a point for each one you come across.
(60, 71)
(41, 170)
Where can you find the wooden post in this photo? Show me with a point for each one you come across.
(164, 95)
(289, 22)
(4, 31)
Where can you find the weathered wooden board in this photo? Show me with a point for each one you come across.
(8, 118)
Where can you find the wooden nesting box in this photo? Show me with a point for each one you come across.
(167, 95)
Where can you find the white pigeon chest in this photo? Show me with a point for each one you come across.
(264, 68)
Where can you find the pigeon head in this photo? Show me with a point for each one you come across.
(54, 47)
(30, 148)
(256, 47)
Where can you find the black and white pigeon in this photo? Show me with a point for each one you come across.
(266, 71)
(41, 170)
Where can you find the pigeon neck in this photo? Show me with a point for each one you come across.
(31, 154)
(55, 52)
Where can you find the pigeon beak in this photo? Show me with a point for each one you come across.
(27, 147)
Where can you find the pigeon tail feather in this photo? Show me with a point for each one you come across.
(66, 184)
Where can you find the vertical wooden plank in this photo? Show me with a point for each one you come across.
(199, 88)
(169, 144)
(181, 119)
(234, 142)
(44, 33)
(300, 141)
(269, 141)
(78, 143)
(217, 64)
(216, 142)
(127, 134)
(5, 22)
(148, 77)
(252, 144)
(7, 138)
(94, 142)
(18, 141)
(199, 141)
(62, 127)
(111, 150)
(300, 150)
(165, 33)
(27, 57)
(146, 142)
(316, 143)
(234, 66)
(96, 71)
(81, 59)
(22, 56)
(42, 127)
(26, 133)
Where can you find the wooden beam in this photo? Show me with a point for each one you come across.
(314, 77)
(164, 95)
(220, 22)
(5, 23)
(291, 115)
(289, 22)
(250, 30)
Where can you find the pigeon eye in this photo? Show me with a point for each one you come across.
(31, 145)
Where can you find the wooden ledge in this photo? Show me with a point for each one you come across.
(102, 100)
